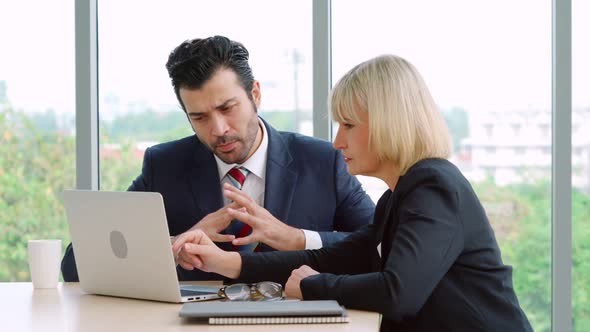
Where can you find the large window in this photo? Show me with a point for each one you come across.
(488, 66)
(138, 107)
(495, 93)
(37, 133)
(581, 165)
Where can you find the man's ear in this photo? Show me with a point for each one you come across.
(256, 94)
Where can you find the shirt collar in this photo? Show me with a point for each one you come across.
(255, 164)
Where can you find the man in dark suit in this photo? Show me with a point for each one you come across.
(298, 191)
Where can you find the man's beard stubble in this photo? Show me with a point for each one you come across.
(247, 142)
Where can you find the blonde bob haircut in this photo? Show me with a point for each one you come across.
(405, 125)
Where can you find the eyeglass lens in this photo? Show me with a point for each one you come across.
(261, 291)
(269, 289)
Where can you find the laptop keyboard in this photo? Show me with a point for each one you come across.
(189, 292)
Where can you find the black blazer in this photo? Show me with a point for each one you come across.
(307, 186)
(440, 268)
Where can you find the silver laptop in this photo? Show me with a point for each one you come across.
(122, 246)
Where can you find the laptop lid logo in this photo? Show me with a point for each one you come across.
(118, 244)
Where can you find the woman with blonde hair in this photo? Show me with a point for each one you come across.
(430, 261)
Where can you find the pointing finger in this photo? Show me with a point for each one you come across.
(238, 196)
(242, 216)
(222, 237)
(244, 240)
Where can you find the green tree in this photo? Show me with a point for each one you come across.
(35, 167)
(146, 126)
(458, 122)
(118, 171)
(521, 218)
(581, 261)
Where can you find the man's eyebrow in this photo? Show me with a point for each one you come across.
(226, 103)
(195, 113)
(221, 106)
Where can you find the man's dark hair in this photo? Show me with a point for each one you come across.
(194, 62)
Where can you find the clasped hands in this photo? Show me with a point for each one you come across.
(265, 227)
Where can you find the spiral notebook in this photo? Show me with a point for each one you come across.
(270, 312)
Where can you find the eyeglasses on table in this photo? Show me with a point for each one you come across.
(261, 291)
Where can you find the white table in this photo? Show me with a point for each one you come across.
(68, 308)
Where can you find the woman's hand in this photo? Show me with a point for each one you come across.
(293, 285)
(196, 250)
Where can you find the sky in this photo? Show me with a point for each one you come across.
(482, 55)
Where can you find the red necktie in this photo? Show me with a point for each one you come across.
(237, 176)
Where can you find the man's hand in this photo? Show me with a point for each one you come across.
(293, 285)
(265, 227)
(196, 250)
(214, 223)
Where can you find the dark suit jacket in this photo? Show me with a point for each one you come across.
(307, 186)
(441, 268)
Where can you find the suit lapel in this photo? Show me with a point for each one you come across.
(280, 182)
(204, 180)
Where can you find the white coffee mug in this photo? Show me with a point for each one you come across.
(44, 262)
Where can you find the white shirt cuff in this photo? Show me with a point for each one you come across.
(312, 239)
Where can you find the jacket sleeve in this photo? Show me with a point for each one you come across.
(359, 251)
(68, 265)
(142, 182)
(354, 207)
(427, 241)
